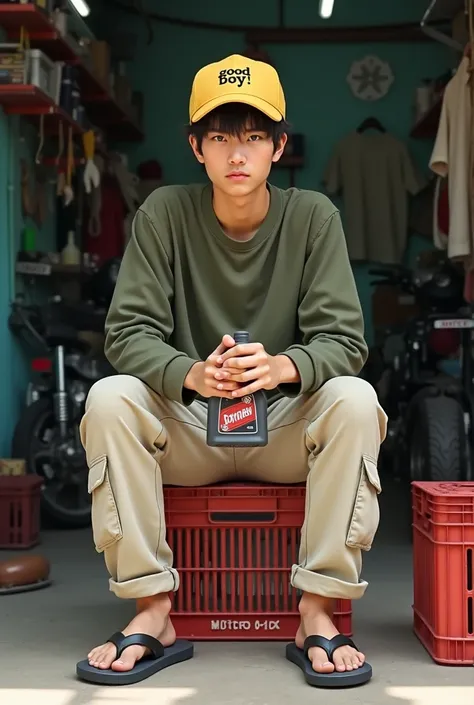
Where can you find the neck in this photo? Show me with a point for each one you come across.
(240, 218)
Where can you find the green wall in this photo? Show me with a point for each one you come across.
(12, 371)
(18, 139)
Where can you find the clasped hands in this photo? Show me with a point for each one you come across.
(232, 371)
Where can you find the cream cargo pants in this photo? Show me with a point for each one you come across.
(136, 440)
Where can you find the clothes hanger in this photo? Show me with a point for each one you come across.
(371, 123)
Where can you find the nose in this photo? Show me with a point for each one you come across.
(237, 156)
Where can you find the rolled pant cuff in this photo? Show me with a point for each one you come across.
(167, 581)
(323, 585)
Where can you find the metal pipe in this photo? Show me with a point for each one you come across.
(60, 397)
(436, 34)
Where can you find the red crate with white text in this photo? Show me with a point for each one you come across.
(234, 546)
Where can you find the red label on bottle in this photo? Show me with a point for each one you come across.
(235, 415)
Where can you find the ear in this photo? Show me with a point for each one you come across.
(194, 147)
(281, 146)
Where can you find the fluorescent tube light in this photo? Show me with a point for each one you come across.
(325, 8)
(82, 7)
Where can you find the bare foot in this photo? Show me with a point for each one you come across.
(152, 618)
(316, 618)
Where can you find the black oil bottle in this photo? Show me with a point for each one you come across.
(238, 422)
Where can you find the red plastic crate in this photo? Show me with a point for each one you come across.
(20, 497)
(234, 546)
(443, 563)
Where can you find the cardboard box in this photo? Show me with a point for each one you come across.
(123, 91)
(12, 466)
(100, 56)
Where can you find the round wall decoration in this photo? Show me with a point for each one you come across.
(370, 78)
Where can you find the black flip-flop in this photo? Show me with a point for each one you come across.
(13, 589)
(160, 657)
(336, 679)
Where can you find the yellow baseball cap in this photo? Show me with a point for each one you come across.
(237, 79)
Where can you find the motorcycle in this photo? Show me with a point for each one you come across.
(430, 432)
(47, 431)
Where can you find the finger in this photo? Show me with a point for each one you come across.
(240, 350)
(227, 386)
(250, 375)
(226, 343)
(251, 388)
(245, 363)
(227, 373)
(210, 379)
(213, 372)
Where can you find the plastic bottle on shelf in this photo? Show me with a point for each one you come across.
(71, 254)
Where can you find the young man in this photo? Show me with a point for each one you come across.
(204, 261)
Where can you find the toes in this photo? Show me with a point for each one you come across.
(319, 661)
(322, 666)
(339, 664)
(101, 657)
(123, 664)
(128, 659)
(357, 659)
(348, 662)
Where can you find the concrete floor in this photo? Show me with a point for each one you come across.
(44, 633)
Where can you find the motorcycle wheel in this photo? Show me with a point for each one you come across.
(65, 502)
(438, 442)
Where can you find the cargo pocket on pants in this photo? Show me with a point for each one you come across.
(106, 526)
(366, 512)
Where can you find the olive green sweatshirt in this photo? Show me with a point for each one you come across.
(184, 283)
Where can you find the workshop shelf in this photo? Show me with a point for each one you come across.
(31, 102)
(102, 108)
(42, 33)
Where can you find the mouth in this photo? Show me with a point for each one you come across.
(237, 176)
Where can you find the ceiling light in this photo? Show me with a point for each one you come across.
(82, 7)
(326, 8)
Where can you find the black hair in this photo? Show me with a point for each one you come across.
(235, 119)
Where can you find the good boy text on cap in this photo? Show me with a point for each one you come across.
(237, 76)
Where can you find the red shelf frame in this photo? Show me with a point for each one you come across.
(30, 101)
(103, 109)
(41, 31)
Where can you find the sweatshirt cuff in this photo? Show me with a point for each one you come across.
(305, 367)
(173, 380)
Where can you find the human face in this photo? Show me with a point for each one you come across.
(238, 165)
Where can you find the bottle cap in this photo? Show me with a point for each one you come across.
(241, 336)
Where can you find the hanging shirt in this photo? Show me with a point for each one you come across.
(374, 173)
(451, 157)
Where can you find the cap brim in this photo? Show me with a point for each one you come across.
(251, 100)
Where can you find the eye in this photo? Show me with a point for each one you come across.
(218, 138)
(255, 138)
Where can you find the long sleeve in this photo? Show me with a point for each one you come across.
(329, 314)
(140, 318)
(440, 158)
